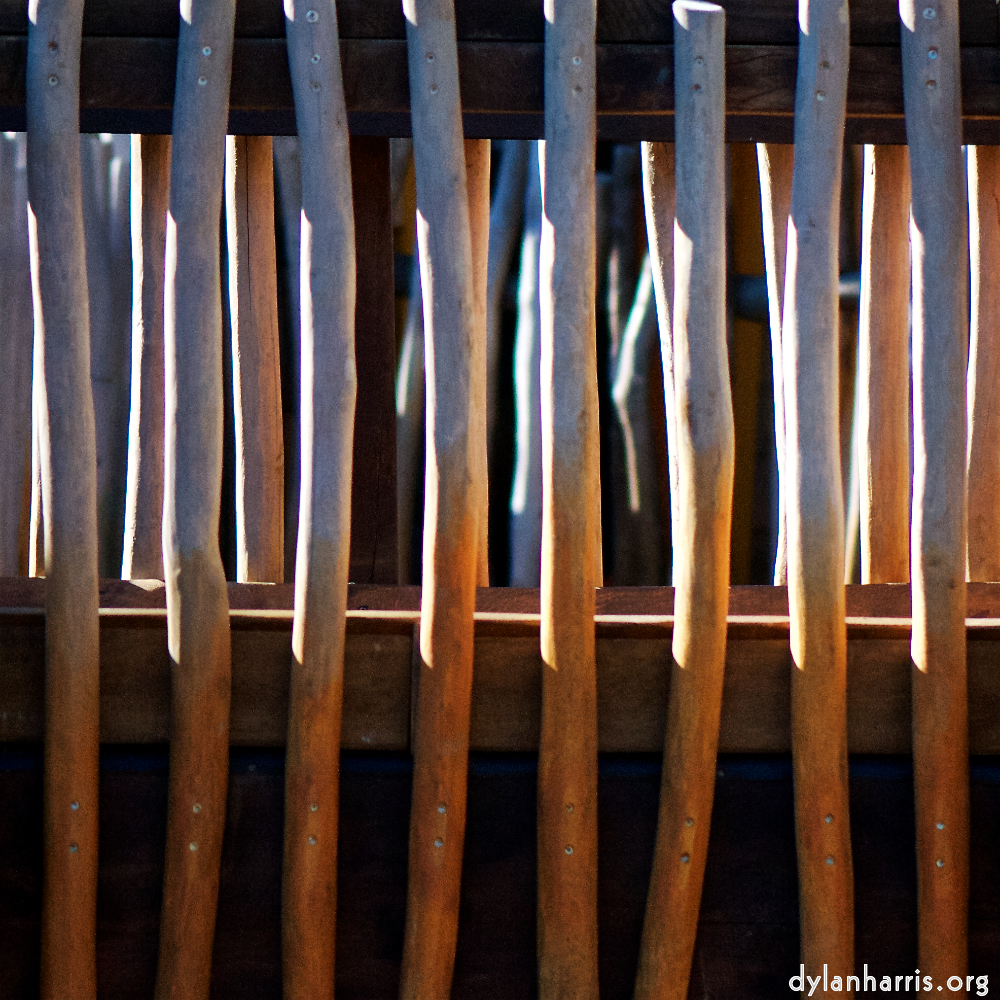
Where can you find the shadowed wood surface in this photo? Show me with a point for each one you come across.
(68, 474)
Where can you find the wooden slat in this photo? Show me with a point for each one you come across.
(705, 463)
(940, 323)
(197, 610)
(571, 511)
(454, 311)
(143, 545)
(814, 497)
(328, 395)
(68, 470)
(253, 313)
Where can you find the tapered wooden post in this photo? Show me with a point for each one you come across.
(143, 550)
(526, 489)
(883, 367)
(984, 365)
(659, 193)
(69, 491)
(15, 359)
(774, 164)
(506, 213)
(815, 499)
(452, 502)
(705, 459)
(253, 311)
(197, 604)
(477, 182)
(939, 245)
(567, 755)
(329, 390)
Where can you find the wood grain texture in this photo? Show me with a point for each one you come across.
(940, 316)
(143, 545)
(526, 488)
(374, 552)
(774, 162)
(68, 467)
(477, 183)
(197, 607)
(884, 367)
(15, 358)
(567, 754)
(659, 195)
(810, 334)
(253, 312)
(329, 390)
(705, 461)
(983, 466)
(454, 439)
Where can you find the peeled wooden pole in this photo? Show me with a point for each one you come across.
(452, 503)
(814, 495)
(69, 490)
(984, 366)
(150, 195)
(774, 163)
(526, 488)
(567, 755)
(939, 247)
(197, 604)
(329, 389)
(477, 182)
(659, 194)
(884, 367)
(705, 458)
(253, 311)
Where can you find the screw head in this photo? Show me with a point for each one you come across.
(193, 845)
(569, 807)
(73, 848)
(820, 96)
(74, 806)
(929, 13)
(828, 818)
(829, 861)
(438, 842)
(442, 809)
(569, 849)
(311, 16)
(196, 808)
(312, 840)
(53, 79)
(940, 825)
(685, 858)
(576, 60)
(932, 84)
(202, 81)
(207, 50)
(699, 61)
(433, 88)
(689, 821)
(313, 808)
(932, 53)
(940, 863)
(315, 59)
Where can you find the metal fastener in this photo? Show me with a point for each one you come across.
(193, 845)
(315, 59)
(207, 50)
(438, 842)
(202, 81)
(569, 849)
(53, 79)
(311, 16)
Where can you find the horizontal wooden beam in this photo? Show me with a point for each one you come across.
(634, 629)
(127, 85)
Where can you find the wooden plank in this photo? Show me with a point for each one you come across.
(940, 323)
(328, 394)
(814, 497)
(143, 544)
(68, 470)
(253, 313)
(374, 555)
(197, 611)
(571, 510)
(706, 450)
(454, 318)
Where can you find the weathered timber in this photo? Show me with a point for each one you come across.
(455, 347)
(705, 440)
(68, 472)
(328, 394)
(197, 609)
(571, 560)
(940, 321)
(810, 334)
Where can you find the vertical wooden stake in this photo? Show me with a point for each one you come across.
(774, 163)
(815, 498)
(883, 367)
(143, 550)
(69, 489)
(477, 182)
(659, 193)
(705, 460)
(526, 489)
(329, 390)
(197, 604)
(452, 502)
(253, 310)
(939, 247)
(984, 366)
(567, 755)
